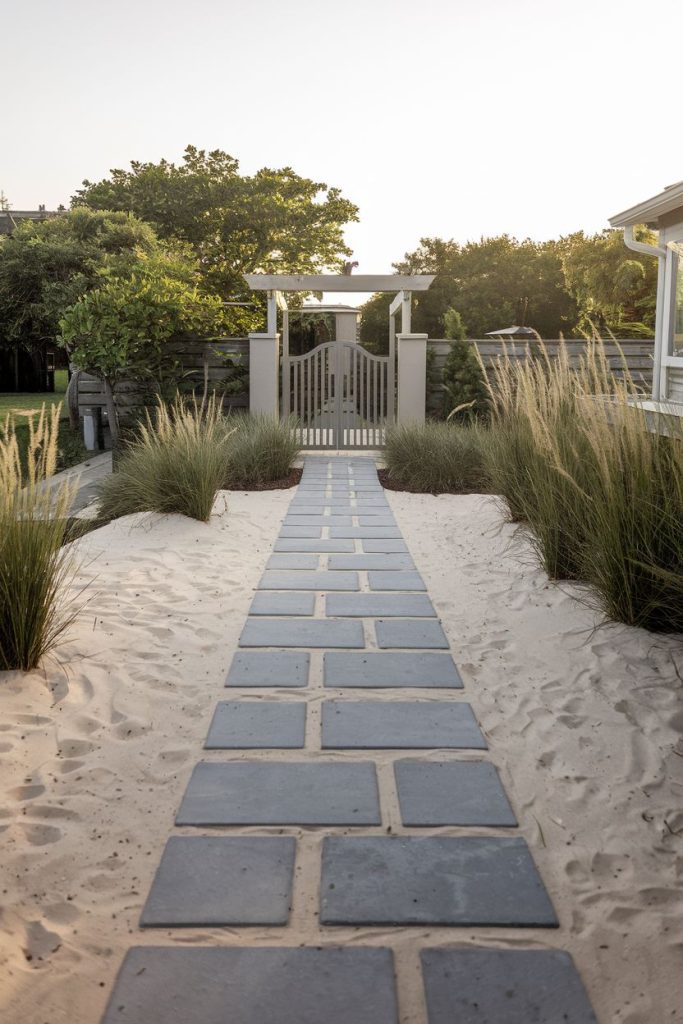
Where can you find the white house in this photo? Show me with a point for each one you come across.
(664, 213)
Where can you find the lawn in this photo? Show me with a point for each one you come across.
(22, 404)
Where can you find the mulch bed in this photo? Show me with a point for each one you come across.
(272, 485)
(394, 485)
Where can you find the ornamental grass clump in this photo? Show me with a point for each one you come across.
(437, 458)
(175, 463)
(262, 451)
(35, 566)
(602, 492)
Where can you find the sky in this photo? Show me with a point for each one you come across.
(450, 118)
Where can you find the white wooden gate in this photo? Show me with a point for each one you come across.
(339, 395)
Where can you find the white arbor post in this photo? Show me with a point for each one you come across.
(264, 383)
(412, 377)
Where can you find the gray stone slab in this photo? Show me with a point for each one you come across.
(396, 581)
(293, 560)
(244, 724)
(301, 531)
(374, 605)
(410, 633)
(366, 520)
(386, 669)
(260, 632)
(384, 545)
(280, 579)
(503, 986)
(373, 500)
(452, 793)
(281, 793)
(269, 668)
(365, 532)
(292, 544)
(296, 509)
(238, 985)
(206, 881)
(297, 520)
(472, 881)
(375, 516)
(390, 562)
(288, 603)
(384, 725)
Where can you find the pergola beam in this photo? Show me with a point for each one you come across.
(339, 282)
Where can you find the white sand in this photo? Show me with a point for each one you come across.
(95, 754)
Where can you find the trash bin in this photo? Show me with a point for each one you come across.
(93, 433)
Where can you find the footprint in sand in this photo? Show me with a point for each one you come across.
(130, 728)
(70, 766)
(75, 748)
(40, 835)
(39, 944)
(22, 793)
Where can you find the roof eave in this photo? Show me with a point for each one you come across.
(650, 211)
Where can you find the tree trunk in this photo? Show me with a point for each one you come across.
(111, 410)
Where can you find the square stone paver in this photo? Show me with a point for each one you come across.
(472, 881)
(373, 605)
(432, 793)
(292, 544)
(386, 669)
(281, 579)
(287, 603)
(505, 986)
(396, 581)
(310, 532)
(241, 724)
(281, 793)
(387, 546)
(410, 633)
(293, 560)
(205, 881)
(384, 725)
(237, 985)
(268, 668)
(259, 632)
(365, 561)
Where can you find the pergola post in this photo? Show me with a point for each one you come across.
(264, 384)
(412, 377)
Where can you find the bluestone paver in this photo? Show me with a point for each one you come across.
(322, 546)
(436, 880)
(293, 560)
(297, 520)
(432, 793)
(287, 603)
(208, 881)
(260, 632)
(311, 532)
(409, 632)
(242, 724)
(503, 986)
(375, 546)
(383, 725)
(389, 562)
(280, 579)
(268, 668)
(281, 793)
(396, 581)
(387, 669)
(374, 605)
(247, 985)
(376, 520)
(363, 532)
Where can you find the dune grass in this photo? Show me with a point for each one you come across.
(175, 463)
(35, 566)
(603, 494)
(262, 450)
(437, 458)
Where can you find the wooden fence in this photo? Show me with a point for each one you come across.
(638, 353)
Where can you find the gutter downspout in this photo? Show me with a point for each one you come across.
(661, 254)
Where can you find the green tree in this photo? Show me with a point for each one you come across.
(120, 330)
(615, 287)
(45, 266)
(463, 381)
(273, 221)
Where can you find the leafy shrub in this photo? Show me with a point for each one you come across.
(436, 457)
(602, 493)
(176, 463)
(262, 450)
(34, 566)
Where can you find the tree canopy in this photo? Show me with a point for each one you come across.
(273, 221)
